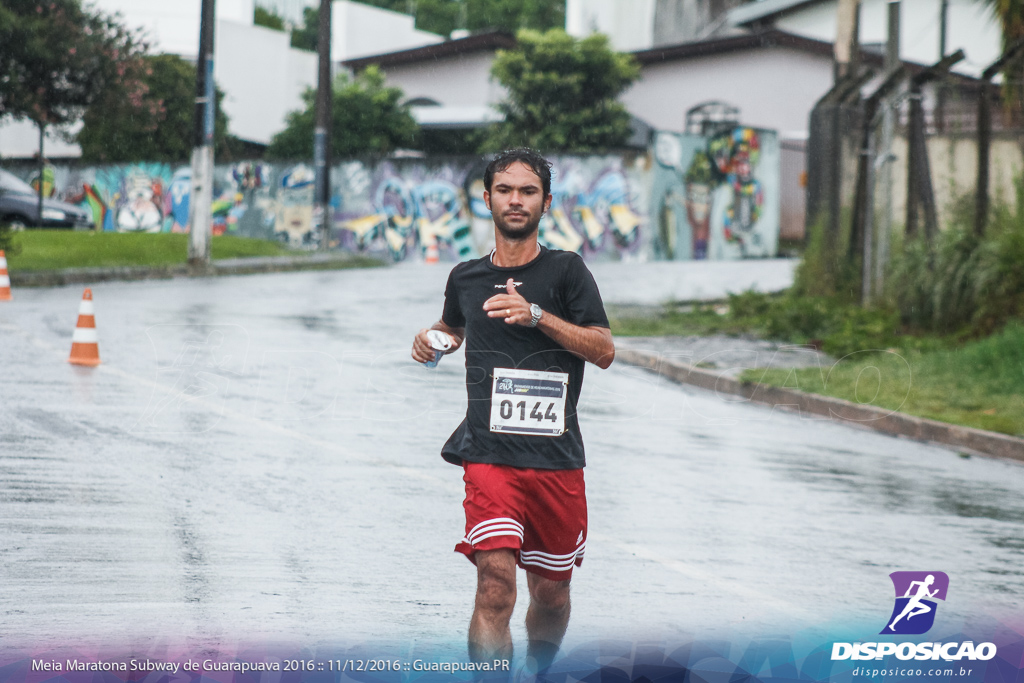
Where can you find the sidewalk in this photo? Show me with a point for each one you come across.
(715, 363)
(657, 282)
(237, 266)
(728, 356)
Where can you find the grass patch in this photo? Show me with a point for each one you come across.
(953, 378)
(678, 320)
(980, 384)
(53, 249)
(823, 322)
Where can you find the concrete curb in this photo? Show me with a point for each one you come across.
(239, 266)
(869, 417)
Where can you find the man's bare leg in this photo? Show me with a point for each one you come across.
(489, 634)
(546, 619)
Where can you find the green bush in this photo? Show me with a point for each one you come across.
(963, 284)
(825, 269)
(7, 241)
(837, 326)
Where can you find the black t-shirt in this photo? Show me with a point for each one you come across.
(557, 281)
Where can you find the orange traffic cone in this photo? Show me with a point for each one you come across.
(432, 255)
(5, 279)
(84, 347)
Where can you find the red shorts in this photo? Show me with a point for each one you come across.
(540, 514)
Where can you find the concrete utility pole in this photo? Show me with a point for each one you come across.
(322, 132)
(981, 201)
(200, 212)
(42, 171)
(940, 89)
(886, 159)
(847, 47)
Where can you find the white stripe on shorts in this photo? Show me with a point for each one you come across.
(560, 567)
(499, 526)
(555, 558)
(549, 561)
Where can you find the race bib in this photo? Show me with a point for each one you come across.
(528, 402)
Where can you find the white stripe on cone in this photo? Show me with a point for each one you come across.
(85, 335)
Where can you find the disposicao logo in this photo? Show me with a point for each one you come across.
(916, 595)
(914, 614)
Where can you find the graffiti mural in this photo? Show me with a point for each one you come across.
(408, 211)
(594, 208)
(437, 212)
(717, 196)
(693, 197)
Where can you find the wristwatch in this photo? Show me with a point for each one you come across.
(535, 314)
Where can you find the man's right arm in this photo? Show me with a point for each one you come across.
(422, 352)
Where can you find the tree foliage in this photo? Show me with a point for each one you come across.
(153, 122)
(1010, 14)
(444, 16)
(267, 17)
(366, 118)
(57, 58)
(304, 37)
(562, 93)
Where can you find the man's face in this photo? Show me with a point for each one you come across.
(517, 201)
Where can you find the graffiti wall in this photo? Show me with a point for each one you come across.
(702, 199)
(422, 210)
(715, 197)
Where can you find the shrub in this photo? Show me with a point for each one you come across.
(963, 284)
(7, 240)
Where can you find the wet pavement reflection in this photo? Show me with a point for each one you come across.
(257, 459)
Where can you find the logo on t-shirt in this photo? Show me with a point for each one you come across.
(502, 286)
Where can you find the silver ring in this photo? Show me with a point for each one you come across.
(508, 312)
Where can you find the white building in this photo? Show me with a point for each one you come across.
(261, 75)
(636, 25)
(971, 26)
(448, 84)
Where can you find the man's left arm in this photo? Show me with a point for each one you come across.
(593, 344)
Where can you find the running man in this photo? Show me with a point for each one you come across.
(914, 606)
(531, 317)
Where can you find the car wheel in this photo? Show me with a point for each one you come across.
(16, 224)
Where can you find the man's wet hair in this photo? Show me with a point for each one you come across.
(537, 163)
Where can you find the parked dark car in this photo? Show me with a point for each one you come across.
(19, 207)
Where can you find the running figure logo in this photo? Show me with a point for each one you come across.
(916, 593)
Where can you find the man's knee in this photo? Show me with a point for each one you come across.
(550, 596)
(496, 580)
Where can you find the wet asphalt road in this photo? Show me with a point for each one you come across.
(257, 461)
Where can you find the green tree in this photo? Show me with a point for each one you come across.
(153, 122)
(562, 93)
(444, 16)
(1010, 14)
(366, 118)
(304, 37)
(57, 58)
(263, 16)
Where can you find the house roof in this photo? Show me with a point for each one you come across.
(765, 39)
(763, 9)
(480, 42)
(747, 41)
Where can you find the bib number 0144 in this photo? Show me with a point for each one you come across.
(528, 402)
